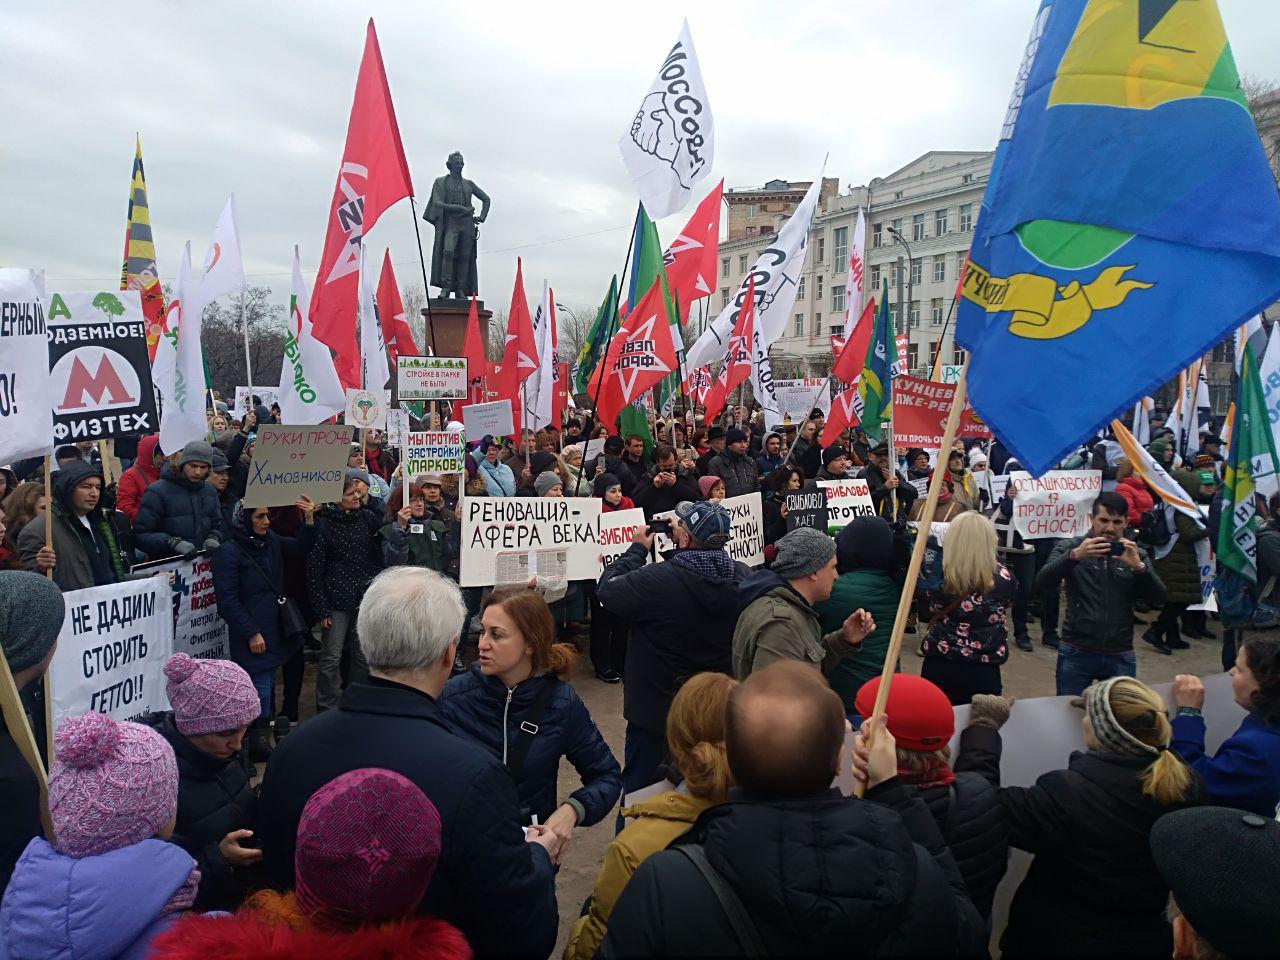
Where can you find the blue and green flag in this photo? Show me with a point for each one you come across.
(1251, 462)
(875, 383)
(1131, 221)
(602, 330)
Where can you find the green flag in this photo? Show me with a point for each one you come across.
(634, 419)
(876, 382)
(601, 331)
(1252, 457)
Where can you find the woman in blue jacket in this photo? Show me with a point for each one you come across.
(248, 579)
(516, 702)
(1245, 772)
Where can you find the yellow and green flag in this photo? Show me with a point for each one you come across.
(139, 271)
(875, 383)
(1250, 462)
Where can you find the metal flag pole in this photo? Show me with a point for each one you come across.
(426, 288)
(248, 370)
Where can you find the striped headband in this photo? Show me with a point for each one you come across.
(1111, 736)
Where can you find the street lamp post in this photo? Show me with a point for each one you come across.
(899, 238)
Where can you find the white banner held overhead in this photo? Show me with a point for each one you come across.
(796, 399)
(26, 403)
(266, 396)
(1055, 505)
(847, 499)
(431, 378)
(198, 630)
(669, 143)
(437, 452)
(493, 419)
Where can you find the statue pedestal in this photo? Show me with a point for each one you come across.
(448, 317)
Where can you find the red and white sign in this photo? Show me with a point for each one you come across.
(920, 409)
(616, 530)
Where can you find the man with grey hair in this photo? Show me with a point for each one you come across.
(494, 884)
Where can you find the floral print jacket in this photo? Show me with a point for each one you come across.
(974, 630)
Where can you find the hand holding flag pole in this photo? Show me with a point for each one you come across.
(913, 570)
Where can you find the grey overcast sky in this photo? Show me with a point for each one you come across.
(253, 98)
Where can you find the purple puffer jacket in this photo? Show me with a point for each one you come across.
(95, 908)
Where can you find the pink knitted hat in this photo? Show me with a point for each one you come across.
(706, 483)
(113, 783)
(209, 696)
(368, 843)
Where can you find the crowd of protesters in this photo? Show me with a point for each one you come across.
(421, 812)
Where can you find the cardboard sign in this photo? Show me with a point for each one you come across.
(431, 378)
(367, 409)
(920, 409)
(507, 538)
(268, 396)
(807, 507)
(99, 373)
(488, 419)
(198, 631)
(846, 499)
(289, 462)
(616, 530)
(434, 453)
(1056, 505)
(26, 415)
(112, 650)
(796, 399)
(397, 426)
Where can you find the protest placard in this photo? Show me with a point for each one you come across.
(746, 530)
(198, 630)
(616, 530)
(266, 396)
(951, 372)
(99, 373)
(1055, 505)
(807, 507)
(921, 486)
(431, 378)
(796, 399)
(26, 406)
(112, 650)
(290, 462)
(488, 419)
(434, 452)
(367, 409)
(997, 484)
(502, 537)
(920, 409)
(846, 499)
(397, 426)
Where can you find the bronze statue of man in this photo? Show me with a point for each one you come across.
(453, 254)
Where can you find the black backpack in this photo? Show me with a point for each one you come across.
(1154, 530)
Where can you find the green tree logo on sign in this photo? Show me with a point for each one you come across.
(109, 304)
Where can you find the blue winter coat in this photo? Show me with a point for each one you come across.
(1244, 773)
(482, 709)
(175, 508)
(245, 599)
(93, 908)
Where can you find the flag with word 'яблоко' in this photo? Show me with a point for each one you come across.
(1251, 462)
(1131, 221)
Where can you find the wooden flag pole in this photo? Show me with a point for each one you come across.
(913, 570)
(105, 457)
(48, 507)
(15, 721)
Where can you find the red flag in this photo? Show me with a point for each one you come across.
(477, 362)
(843, 415)
(640, 356)
(520, 355)
(698, 385)
(395, 329)
(920, 409)
(854, 353)
(737, 362)
(560, 395)
(691, 258)
(373, 176)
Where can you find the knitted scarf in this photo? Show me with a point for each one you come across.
(184, 896)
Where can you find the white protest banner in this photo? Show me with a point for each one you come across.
(846, 499)
(592, 450)
(796, 399)
(290, 462)
(1055, 505)
(937, 530)
(112, 650)
(198, 631)
(616, 530)
(510, 539)
(397, 426)
(746, 530)
(266, 396)
(26, 402)
(997, 484)
(921, 486)
(431, 378)
(99, 372)
(951, 372)
(367, 409)
(436, 452)
(492, 419)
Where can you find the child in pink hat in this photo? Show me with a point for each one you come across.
(108, 882)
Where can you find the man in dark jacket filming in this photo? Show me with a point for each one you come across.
(681, 613)
(179, 513)
(665, 486)
(774, 844)
(1105, 574)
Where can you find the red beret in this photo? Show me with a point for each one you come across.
(921, 717)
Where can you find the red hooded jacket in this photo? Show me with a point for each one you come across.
(1137, 496)
(135, 480)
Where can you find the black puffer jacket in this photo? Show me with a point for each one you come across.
(1100, 597)
(880, 498)
(175, 508)
(826, 876)
(214, 798)
(346, 557)
(1092, 889)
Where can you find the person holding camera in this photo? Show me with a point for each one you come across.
(1105, 574)
(665, 486)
